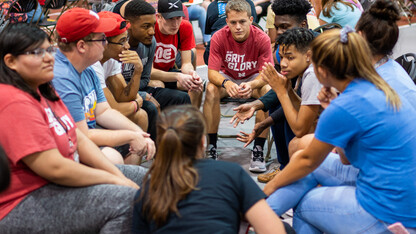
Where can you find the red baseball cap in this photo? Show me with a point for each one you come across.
(77, 23)
(122, 24)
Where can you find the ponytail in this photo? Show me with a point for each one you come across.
(349, 60)
(172, 175)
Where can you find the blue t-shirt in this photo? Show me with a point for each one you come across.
(380, 142)
(394, 74)
(80, 92)
(343, 16)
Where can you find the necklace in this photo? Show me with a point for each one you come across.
(381, 62)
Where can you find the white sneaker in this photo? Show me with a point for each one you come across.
(257, 163)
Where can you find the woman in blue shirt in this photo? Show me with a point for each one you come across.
(373, 125)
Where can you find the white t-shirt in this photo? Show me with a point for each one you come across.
(110, 68)
(310, 87)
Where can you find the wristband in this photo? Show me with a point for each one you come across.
(223, 82)
(136, 106)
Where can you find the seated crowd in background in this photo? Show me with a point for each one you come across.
(122, 83)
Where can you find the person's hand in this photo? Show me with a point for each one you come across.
(151, 148)
(185, 80)
(245, 90)
(248, 138)
(151, 99)
(124, 181)
(139, 100)
(232, 89)
(138, 145)
(277, 81)
(197, 82)
(244, 112)
(326, 95)
(131, 57)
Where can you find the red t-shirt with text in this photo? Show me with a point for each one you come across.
(239, 60)
(29, 126)
(167, 45)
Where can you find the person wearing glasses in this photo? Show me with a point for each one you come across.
(119, 95)
(81, 42)
(49, 192)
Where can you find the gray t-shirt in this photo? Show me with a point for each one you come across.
(310, 87)
(146, 53)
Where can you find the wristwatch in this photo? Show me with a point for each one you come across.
(223, 82)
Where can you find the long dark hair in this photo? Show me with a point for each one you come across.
(379, 27)
(15, 39)
(4, 170)
(179, 133)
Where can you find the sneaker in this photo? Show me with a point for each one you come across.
(212, 153)
(266, 177)
(257, 163)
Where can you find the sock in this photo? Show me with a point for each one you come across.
(259, 141)
(213, 139)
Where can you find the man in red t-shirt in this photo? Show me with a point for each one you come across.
(238, 52)
(174, 35)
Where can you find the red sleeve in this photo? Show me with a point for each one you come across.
(24, 130)
(215, 61)
(186, 36)
(265, 55)
(185, 11)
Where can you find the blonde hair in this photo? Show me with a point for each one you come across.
(349, 60)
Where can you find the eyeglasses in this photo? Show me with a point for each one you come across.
(40, 52)
(122, 42)
(103, 40)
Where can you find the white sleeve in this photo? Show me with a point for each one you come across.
(98, 68)
(111, 67)
(310, 88)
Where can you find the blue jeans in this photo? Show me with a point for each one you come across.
(331, 208)
(330, 173)
(197, 12)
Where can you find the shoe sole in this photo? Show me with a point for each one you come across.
(256, 169)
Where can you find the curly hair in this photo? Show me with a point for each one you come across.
(301, 38)
(137, 8)
(296, 8)
(379, 27)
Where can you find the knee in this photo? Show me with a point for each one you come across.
(212, 93)
(141, 119)
(113, 155)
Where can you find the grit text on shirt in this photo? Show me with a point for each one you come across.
(236, 62)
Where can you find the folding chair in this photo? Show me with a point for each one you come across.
(408, 62)
(22, 6)
(47, 23)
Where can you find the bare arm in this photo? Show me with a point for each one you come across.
(52, 166)
(263, 219)
(126, 92)
(187, 66)
(125, 108)
(300, 165)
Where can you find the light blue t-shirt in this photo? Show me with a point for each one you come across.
(343, 16)
(80, 92)
(394, 74)
(381, 143)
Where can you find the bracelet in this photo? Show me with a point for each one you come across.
(223, 82)
(136, 106)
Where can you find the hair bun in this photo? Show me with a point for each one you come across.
(385, 10)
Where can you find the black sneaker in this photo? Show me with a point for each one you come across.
(212, 153)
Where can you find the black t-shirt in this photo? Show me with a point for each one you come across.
(225, 191)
